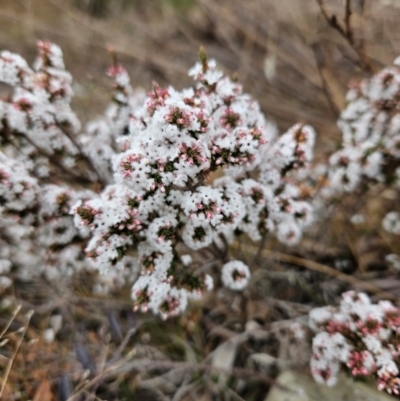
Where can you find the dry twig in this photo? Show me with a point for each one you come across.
(11, 360)
(346, 32)
(309, 264)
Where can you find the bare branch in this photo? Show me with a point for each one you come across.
(78, 146)
(11, 360)
(348, 13)
(346, 32)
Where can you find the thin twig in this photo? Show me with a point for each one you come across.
(184, 387)
(102, 366)
(92, 396)
(55, 162)
(309, 264)
(10, 363)
(131, 332)
(332, 20)
(259, 250)
(348, 13)
(206, 266)
(124, 367)
(234, 395)
(78, 146)
(346, 32)
(16, 311)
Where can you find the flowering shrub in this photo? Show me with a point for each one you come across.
(154, 160)
(164, 203)
(370, 148)
(45, 170)
(370, 125)
(359, 336)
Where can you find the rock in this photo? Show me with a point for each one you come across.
(252, 325)
(303, 388)
(223, 357)
(264, 362)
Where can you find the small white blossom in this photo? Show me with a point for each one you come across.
(235, 275)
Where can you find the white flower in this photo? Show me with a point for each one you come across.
(235, 275)
(391, 223)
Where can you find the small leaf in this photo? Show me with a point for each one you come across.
(85, 358)
(65, 387)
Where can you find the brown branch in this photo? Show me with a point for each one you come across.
(319, 267)
(14, 315)
(346, 32)
(79, 178)
(332, 21)
(123, 367)
(78, 146)
(11, 360)
(347, 17)
(131, 332)
(8, 132)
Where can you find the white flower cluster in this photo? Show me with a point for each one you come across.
(18, 190)
(35, 224)
(40, 158)
(35, 118)
(371, 133)
(393, 260)
(360, 337)
(99, 139)
(370, 148)
(391, 223)
(153, 159)
(163, 198)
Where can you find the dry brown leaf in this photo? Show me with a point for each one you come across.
(43, 392)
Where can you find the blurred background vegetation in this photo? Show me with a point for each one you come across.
(284, 52)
